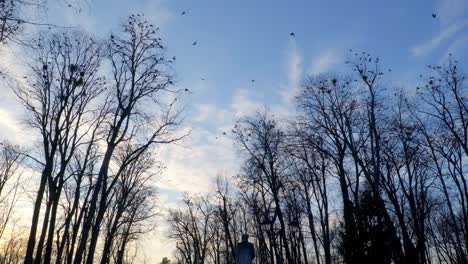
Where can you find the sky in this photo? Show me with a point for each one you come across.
(243, 40)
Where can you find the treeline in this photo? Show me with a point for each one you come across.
(363, 173)
(96, 110)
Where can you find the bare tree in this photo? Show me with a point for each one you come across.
(10, 23)
(190, 229)
(10, 183)
(62, 85)
(327, 106)
(137, 114)
(312, 168)
(263, 142)
(131, 205)
(12, 249)
(226, 212)
(441, 114)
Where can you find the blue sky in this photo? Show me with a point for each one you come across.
(241, 40)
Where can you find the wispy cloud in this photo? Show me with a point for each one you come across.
(455, 48)
(324, 62)
(446, 34)
(160, 13)
(243, 104)
(294, 65)
(451, 15)
(294, 71)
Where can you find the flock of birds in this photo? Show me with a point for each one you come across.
(292, 35)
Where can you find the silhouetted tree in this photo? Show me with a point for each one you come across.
(63, 83)
(137, 114)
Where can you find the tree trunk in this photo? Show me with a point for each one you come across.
(28, 258)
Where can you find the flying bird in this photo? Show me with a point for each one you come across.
(174, 58)
(183, 13)
(434, 15)
(253, 80)
(195, 43)
(292, 34)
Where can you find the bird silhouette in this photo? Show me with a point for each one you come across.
(224, 133)
(292, 34)
(183, 13)
(195, 43)
(434, 15)
(174, 58)
(202, 79)
(253, 80)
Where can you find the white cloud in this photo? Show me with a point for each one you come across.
(11, 66)
(455, 48)
(192, 164)
(10, 128)
(243, 104)
(209, 112)
(436, 41)
(294, 70)
(157, 11)
(451, 15)
(294, 65)
(324, 62)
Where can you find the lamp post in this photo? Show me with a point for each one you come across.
(266, 223)
(294, 224)
(294, 227)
